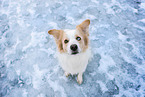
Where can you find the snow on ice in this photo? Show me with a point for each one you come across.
(28, 65)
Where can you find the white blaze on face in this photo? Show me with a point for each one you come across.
(71, 35)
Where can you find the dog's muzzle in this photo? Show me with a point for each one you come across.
(74, 49)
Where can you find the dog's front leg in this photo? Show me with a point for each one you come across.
(67, 74)
(80, 78)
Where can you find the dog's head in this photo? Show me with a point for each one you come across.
(72, 41)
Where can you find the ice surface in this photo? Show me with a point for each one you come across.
(28, 65)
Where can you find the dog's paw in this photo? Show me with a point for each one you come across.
(79, 79)
(67, 74)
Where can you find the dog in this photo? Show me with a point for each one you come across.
(73, 49)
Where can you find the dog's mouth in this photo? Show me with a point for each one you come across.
(74, 53)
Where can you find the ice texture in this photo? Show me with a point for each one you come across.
(28, 64)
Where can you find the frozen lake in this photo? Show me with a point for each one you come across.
(28, 65)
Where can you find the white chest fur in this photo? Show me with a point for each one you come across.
(74, 63)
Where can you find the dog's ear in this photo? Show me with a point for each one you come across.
(84, 26)
(56, 33)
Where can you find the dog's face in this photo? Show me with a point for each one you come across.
(72, 41)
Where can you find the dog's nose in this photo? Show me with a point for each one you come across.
(74, 47)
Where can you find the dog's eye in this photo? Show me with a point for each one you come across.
(78, 38)
(66, 41)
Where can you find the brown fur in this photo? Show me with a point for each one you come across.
(84, 27)
(83, 30)
(58, 35)
(64, 44)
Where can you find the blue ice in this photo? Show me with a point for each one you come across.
(28, 65)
